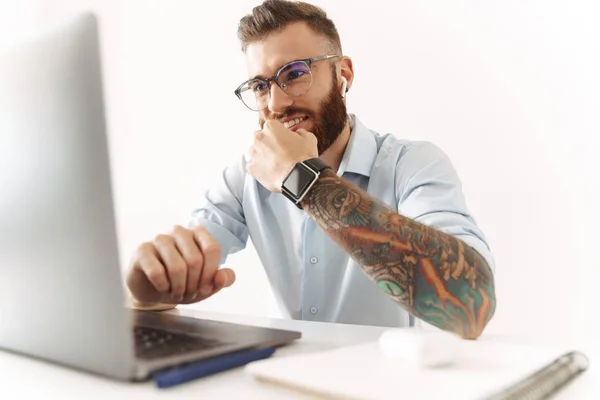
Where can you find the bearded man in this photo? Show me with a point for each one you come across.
(350, 225)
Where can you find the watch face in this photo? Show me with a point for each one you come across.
(298, 180)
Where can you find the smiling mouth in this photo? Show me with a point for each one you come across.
(293, 122)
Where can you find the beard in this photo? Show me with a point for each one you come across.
(328, 121)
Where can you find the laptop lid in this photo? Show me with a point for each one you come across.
(61, 296)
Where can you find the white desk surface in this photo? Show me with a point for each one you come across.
(22, 377)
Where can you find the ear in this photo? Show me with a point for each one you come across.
(347, 72)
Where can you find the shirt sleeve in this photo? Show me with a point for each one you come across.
(429, 191)
(221, 212)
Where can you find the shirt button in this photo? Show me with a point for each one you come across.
(314, 260)
(313, 310)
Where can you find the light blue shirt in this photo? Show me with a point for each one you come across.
(311, 276)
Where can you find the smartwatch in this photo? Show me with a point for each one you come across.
(301, 178)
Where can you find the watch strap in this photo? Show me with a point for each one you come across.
(316, 164)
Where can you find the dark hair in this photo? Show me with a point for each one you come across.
(275, 15)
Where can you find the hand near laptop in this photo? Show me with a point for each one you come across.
(177, 268)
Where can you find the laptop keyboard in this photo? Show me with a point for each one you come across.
(152, 343)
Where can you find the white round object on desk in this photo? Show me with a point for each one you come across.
(423, 348)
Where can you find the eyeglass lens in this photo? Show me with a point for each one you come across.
(294, 79)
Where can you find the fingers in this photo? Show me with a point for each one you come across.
(224, 278)
(306, 134)
(260, 140)
(251, 154)
(272, 124)
(178, 268)
(259, 136)
(252, 150)
(212, 257)
(174, 264)
(194, 260)
(148, 262)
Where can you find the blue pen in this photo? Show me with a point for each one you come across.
(200, 369)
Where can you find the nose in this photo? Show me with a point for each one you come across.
(279, 99)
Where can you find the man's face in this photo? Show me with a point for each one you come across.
(322, 107)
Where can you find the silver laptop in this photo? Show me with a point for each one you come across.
(61, 290)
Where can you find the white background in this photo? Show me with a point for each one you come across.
(509, 89)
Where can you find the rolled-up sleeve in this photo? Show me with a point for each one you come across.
(221, 212)
(430, 191)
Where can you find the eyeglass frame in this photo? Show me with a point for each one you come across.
(307, 61)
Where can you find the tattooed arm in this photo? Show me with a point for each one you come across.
(433, 275)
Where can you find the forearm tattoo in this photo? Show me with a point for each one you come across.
(433, 275)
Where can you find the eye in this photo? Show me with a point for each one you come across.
(258, 87)
(295, 75)
(296, 71)
(339, 200)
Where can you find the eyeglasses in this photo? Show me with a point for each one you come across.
(294, 78)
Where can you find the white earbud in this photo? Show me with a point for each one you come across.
(344, 85)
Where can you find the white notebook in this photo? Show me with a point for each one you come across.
(480, 369)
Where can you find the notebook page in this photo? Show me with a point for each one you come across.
(363, 372)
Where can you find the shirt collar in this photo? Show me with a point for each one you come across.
(361, 151)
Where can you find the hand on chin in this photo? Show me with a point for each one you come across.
(274, 152)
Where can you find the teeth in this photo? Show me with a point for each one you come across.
(293, 122)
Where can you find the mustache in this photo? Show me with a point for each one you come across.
(286, 113)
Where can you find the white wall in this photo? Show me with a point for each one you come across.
(509, 89)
